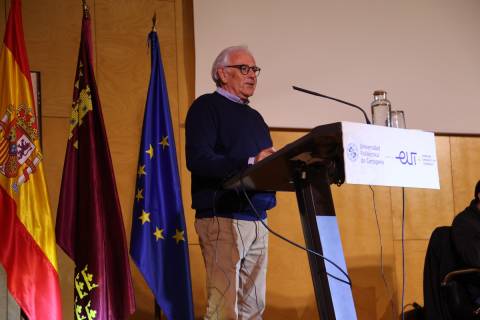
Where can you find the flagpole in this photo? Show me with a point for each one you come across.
(159, 315)
(23, 316)
(154, 22)
(85, 7)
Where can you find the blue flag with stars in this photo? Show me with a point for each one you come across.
(159, 240)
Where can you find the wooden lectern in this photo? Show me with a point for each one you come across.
(308, 166)
(336, 153)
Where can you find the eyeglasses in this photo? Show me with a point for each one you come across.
(244, 69)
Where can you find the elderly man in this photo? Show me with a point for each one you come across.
(224, 135)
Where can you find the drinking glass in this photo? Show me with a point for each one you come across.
(397, 119)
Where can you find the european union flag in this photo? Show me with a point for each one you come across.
(159, 239)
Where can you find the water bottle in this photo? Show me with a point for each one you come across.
(381, 109)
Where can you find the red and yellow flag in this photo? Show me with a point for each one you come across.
(27, 237)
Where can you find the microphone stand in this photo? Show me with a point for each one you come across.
(335, 99)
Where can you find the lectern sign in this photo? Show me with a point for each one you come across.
(385, 156)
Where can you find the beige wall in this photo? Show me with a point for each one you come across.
(424, 54)
(52, 30)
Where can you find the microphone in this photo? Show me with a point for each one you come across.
(335, 99)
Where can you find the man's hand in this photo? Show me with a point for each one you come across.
(264, 153)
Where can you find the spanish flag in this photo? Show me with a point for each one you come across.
(27, 238)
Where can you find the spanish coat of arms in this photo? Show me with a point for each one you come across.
(19, 157)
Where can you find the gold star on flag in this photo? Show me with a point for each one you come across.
(178, 236)
(141, 171)
(164, 142)
(145, 217)
(150, 151)
(158, 233)
(139, 195)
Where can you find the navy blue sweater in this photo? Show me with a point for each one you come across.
(220, 137)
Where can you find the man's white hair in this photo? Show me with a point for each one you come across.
(223, 59)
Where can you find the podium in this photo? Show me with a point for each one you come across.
(333, 154)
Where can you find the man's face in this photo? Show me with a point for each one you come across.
(233, 81)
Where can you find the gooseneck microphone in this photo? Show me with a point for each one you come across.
(335, 99)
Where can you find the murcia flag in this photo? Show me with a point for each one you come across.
(89, 220)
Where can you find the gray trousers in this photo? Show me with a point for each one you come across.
(235, 253)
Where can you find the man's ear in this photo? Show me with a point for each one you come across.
(222, 75)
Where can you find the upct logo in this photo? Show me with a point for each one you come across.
(352, 151)
(406, 157)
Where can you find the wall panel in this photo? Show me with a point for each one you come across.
(426, 209)
(3, 16)
(364, 243)
(55, 134)
(414, 260)
(52, 36)
(465, 169)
